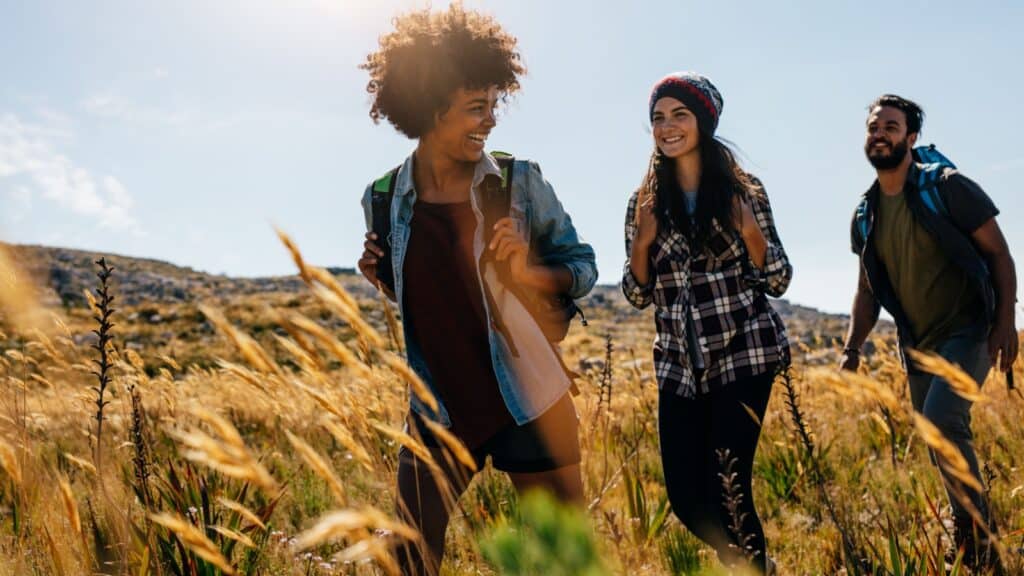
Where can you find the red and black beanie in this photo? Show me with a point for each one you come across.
(696, 92)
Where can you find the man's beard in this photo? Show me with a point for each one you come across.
(893, 160)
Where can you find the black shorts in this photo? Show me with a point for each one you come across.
(548, 442)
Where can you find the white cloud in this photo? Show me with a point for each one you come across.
(27, 151)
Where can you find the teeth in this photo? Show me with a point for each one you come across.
(673, 139)
(477, 137)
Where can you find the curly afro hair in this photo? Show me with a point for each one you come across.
(431, 55)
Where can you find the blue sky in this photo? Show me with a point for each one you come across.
(185, 130)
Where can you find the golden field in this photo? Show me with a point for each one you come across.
(225, 426)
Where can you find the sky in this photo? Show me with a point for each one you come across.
(185, 131)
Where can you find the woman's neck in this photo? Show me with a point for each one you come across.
(438, 177)
(688, 171)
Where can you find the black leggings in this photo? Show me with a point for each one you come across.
(692, 431)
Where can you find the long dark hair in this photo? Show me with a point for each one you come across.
(721, 180)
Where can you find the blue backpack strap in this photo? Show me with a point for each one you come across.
(861, 224)
(931, 164)
(383, 194)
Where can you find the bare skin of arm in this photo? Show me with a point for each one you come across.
(1002, 340)
(746, 223)
(863, 318)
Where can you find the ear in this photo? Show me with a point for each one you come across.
(912, 139)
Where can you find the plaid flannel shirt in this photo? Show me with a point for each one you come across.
(739, 334)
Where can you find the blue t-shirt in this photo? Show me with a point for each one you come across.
(691, 202)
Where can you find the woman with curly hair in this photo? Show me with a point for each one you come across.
(464, 277)
(702, 246)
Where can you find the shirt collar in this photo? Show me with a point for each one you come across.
(486, 166)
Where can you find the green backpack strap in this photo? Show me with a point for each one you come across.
(382, 195)
(505, 162)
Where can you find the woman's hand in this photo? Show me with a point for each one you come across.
(372, 253)
(508, 244)
(743, 219)
(646, 221)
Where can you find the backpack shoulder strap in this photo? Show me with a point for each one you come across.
(497, 192)
(928, 177)
(505, 162)
(386, 183)
(383, 194)
(931, 165)
(861, 224)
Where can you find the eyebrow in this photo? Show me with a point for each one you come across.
(477, 101)
(672, 111)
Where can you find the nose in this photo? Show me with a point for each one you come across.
(491, 119)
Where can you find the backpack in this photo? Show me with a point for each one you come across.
(931, 165)
(552, 314)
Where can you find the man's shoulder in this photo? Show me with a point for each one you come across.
(955, 179)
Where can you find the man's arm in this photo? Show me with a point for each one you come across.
(863, 318)
(989, 240)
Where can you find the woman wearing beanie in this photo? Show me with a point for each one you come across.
(702, 246)
(465, 269)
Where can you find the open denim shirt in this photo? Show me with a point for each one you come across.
(530, 374)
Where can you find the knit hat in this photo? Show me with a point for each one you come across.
(696, 92)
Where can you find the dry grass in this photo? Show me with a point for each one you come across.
(273, 447)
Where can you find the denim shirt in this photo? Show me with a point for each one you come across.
(530, 374)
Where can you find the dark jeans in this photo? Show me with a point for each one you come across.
(692, 431)
(951, 414)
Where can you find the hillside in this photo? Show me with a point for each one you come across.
(232, 399)
(64, 274)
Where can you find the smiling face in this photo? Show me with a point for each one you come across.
(887, 142)
(461, 131)
(675, 128)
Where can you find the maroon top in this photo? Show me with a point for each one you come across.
(446, 316)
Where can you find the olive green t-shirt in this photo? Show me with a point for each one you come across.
(935, 294)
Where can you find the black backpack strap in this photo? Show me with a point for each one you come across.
(382, 195)
(496, 203)
(497, 193)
